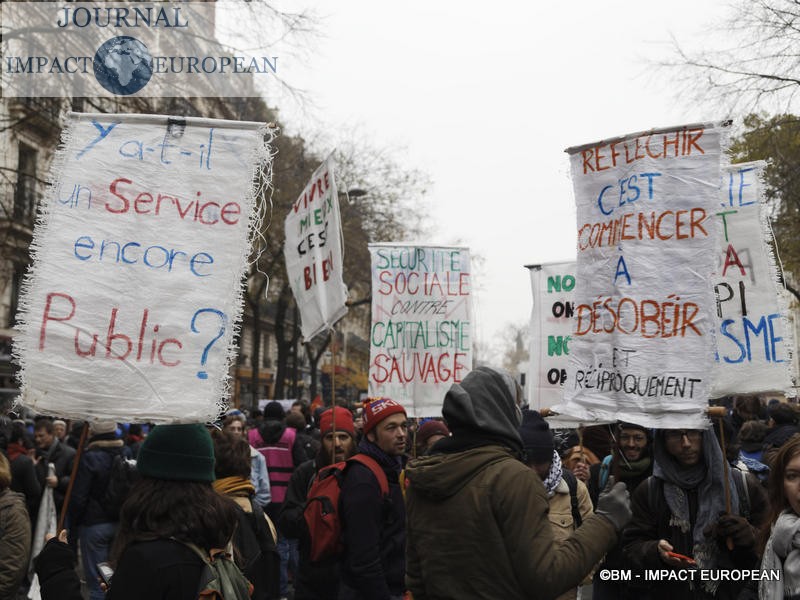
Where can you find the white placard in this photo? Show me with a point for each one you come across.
(421, 334)
(135, 294)
(313, 252)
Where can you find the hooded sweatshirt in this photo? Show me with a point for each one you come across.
(477, 524)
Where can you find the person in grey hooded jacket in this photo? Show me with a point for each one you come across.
(477, 524)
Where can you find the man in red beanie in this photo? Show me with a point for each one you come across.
(373, 526)
(316, 581)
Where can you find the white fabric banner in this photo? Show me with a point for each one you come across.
(313, 252)
(754, 339)
(643, 345)
(135, 294)
(421, 334)
(553, 289)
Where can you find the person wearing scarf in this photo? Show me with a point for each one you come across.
(254, 542)
(682, 509)
(631, 462)
(372, 565)
(541, 456)
(782, 547)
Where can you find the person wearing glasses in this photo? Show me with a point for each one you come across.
(630, 462)
(681, 523)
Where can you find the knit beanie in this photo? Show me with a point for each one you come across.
(274, 412)
(429, 429)
(537, 439)
(177, 452)
(101, 427)
(377, 409)
(344, 421)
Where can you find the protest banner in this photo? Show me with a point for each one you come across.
(754, 339)
(553, 290)
(642, 348)
(313, 252)
(135, 295)
(421, 333)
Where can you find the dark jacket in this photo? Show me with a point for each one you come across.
(313, 581)
(478, 523)
(156, 570)
(652, 522)
(86, 504)
(61, 456)
(25, 481)
(605, 589)
(779, 435)
(373, 532)
(256, 553)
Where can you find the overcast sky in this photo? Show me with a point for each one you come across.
(485, 97)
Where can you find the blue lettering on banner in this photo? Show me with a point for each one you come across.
(131, 253)
(742, 332)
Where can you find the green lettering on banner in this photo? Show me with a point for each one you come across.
(556, 283)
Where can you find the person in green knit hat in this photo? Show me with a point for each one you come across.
(173, 504)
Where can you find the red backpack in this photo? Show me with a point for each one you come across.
(322, 507)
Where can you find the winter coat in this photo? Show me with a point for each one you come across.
(313, 581)
(484, 513)
(15, 542)
(94, 471)
(477, 516)
(653, 521)
(157, 570)
(563, 522)
(372, 565)
(256, 553)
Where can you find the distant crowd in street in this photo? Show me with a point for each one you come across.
(484, 501)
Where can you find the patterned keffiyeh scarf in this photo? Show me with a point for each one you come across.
(553, 476)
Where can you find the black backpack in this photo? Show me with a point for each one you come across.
(122, 478)
(255, 552)
(572, 484)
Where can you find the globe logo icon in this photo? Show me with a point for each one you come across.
(123, 65)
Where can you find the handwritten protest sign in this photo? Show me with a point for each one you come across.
(313, 252)
(553, 289)
(753, 336)
(134, 297)
(421, 334)
(643, 346)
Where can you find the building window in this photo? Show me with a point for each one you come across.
(16, 286)
(25, 194)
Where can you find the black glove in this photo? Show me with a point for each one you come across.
(732, 527)
(614, 504)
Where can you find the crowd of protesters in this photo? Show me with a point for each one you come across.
(485, 501)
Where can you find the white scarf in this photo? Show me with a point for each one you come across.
(783, 553)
